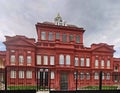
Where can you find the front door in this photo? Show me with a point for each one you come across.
(64, 81)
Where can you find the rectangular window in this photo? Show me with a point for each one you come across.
(87, 62)
(64, 38)
(57, 35)
(50, 36)
(102, 63)
(76, 61)
(87, 76)
(21, 74)
(108, 76)
(29, 74)
(13, 74)
(71, 37)
(52, 60)
(21, 59)
(61, 59)
(38, 60)
(96, 63)
(45, 60)
(52, 75)
(12, 59)
(29, 59)
(43, 35)
(82, 62)
(108, 63)
(77, 39)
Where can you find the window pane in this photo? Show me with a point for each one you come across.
(68, 60)
(96, 63)
(21, 74)
(52, 75)
(29, 74)
(21, 59)
(96, 76)
(29, 59)
(76, 61)
(77, 39)
(43, 35)
(108, 76)
(57, 35)
(38, 59)
(64, 38)
(108, 63)
(71, 37)
(102, 63)
(45, 60)
(82, 62)
(52, 59)
(12, 59)
(88, 76)
(61, 59)
(87, 62)
(13, 74)
(81, 76)
(50, 37)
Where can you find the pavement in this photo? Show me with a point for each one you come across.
(42, 92)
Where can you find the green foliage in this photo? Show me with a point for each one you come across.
(22, 87)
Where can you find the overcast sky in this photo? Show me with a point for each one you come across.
(100, 18)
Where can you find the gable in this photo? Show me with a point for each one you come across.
(19, 42)
(103, 49)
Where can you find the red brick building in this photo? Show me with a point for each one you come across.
(57, 55)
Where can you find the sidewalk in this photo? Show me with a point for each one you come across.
(42, 92)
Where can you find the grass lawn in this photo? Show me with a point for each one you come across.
(103, 88)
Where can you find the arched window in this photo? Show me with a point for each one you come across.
(61, 59)
(67, 59)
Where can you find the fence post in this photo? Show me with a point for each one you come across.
(5, 78)
(100, 80)
(76, 79)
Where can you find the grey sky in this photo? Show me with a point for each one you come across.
(100, 18)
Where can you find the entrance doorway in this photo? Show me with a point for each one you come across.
(64, 81)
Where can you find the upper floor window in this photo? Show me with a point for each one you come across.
(102, 63)
(57, 35)
(21, 59)
(64, 38)
(116, 68)
(45, 60)
(21, 74)
(103, 76)
(82, 62)
(77, 39)
(96, 63)
(71, 37)
(108, 63)
(29, 59)
(29, 74)
(50, 36)
(52, 60)
(12, 59)
(43, 35)
(38, 59)
(61, 59)
(67, 59)
(87, 62)
(76, 61)
(12, 74)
